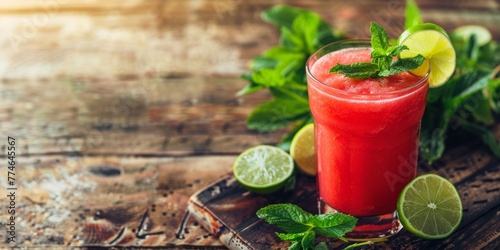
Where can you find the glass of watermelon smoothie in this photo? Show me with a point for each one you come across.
(366, 137)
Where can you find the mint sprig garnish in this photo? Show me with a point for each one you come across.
(302, 227)
(382, 64)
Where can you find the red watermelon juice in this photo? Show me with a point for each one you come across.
(366, 137)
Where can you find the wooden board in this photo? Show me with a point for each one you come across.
(228, 210)
(65, 202)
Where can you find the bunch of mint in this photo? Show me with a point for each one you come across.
(302, 227)
(467, 103)
(281, 70)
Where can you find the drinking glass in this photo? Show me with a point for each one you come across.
(366, 144)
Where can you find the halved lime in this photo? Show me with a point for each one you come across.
(302, 150)
(263, 169)
(432, 42)
(430, 207)
(483, 36)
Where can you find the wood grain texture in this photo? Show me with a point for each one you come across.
(99, 201)
(123, 109)
(191, 115)
(53, 38)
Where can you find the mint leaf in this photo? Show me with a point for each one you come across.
(402, 65)
(291, 40)
(333, 224)
(289, 63)
(321, 246)
(380, 43)
(301, 29)
(289, 93)
(342, 221)
(379, 38)
(434, 126)
(308, 240)
(291, 237)
(472, 87)
(261, 62)
(288, 217)
(306, 34)
(306, 25)
(356, 70)
(412, 14)
(492, 93)
(250, 87)
(295, 246)
(395, 50)
(268, 78)
(282, 15)
(276, 114)
(480, 109)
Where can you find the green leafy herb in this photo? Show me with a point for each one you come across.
(278, 113)
(357, 70)
(382, 64)
(302, 227)
(466, 102)
(321, 246)
(281, 70)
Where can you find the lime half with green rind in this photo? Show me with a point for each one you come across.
(263, 169)
(430, 207)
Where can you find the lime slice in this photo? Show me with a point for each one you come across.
(302, 150)
(430, 207)
(432, 42)
(263, 169)
(483, 36)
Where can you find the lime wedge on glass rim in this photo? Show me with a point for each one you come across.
(432, 42)
(430, 207)
(302, 150)
(263, 169)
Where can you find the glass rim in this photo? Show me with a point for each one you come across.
(344, 92)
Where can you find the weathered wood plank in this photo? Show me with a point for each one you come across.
(72, 201)
(483, 233)
(50, 39)
(172, 117)
(85, 5)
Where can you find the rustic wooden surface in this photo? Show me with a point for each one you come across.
(123, 109)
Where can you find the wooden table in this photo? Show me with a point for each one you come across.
(121, 110)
